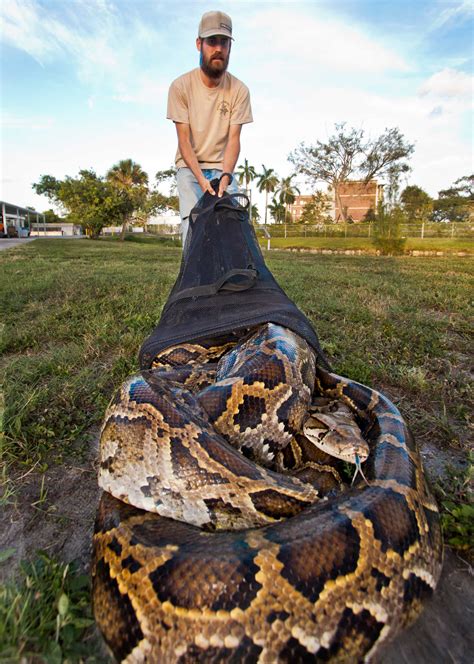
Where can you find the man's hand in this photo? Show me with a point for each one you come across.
(205, 185)
(223, 184)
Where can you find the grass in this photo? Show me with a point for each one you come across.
(75, 319)
(446, 245)
(45, 614)
(455, 495)
(76, 312)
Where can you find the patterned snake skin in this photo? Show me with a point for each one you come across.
(203, 555)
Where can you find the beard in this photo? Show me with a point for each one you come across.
(214, 67)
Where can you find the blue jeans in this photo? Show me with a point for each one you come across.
(190, 192)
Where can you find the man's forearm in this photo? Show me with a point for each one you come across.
(190, 159)
(231, 154)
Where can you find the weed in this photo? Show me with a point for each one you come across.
(7, 488)
(45, 614)
(455, 494)
(413, 377)
(43, 493)
(458, 525)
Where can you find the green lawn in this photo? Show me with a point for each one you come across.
(76, 312)
(446, 245)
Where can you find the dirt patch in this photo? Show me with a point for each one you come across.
(52, 512)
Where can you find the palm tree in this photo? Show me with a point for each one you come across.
(246, 173)
(277, 210)
(268, 182)
(131, 181)
(255, 214)
(288, 192)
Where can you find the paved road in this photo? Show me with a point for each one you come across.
(8, 243)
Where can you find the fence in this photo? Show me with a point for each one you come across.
(168, 230)
(366, 230)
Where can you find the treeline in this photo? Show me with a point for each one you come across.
(122, 196)
(453, 204)
(413, 205)
(349, 154)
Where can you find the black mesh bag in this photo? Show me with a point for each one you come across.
(223, 285)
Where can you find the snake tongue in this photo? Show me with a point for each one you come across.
(358, 470)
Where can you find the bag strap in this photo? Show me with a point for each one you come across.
(225, 283)
(222, 203)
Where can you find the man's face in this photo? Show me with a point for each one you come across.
(215, 52)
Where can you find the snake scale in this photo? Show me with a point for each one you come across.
(218, 539)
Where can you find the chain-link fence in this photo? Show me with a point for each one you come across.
(366, 230)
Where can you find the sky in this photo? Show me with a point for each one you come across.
(84, 83)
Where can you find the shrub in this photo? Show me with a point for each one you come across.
(387, 232)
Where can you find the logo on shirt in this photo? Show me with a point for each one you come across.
(223, 108)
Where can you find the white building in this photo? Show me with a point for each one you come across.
(16, 221)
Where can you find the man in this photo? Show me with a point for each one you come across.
(208, 106)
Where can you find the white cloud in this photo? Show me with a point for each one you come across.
(21, 28)
(462, 10)
(10, 121)
(144, 90)
(102, 46)
(319, 41)
(449, 83)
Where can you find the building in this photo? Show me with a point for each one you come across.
(16, 220)
(59, 229)
(295, 210)
(356, 196)
(168, 223)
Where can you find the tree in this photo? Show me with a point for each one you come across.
(287, 191)
(50, 217)
(316, 210)
(457, 202)
(391, 192)
(416, 203)
(277, 210)
(94, 202)
(267, 182)
(370, 215)
(348, 154)
(131, 183)
(154, 203)
(158, 200)
(255, 214)
(387, 231)
(89, 200)
(464, 188)
(167, 176)
(246, 173)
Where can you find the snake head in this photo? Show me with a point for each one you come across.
(342, 440)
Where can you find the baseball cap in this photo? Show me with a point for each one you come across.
(215, 23)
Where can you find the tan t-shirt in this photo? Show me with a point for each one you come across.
(209, 113)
